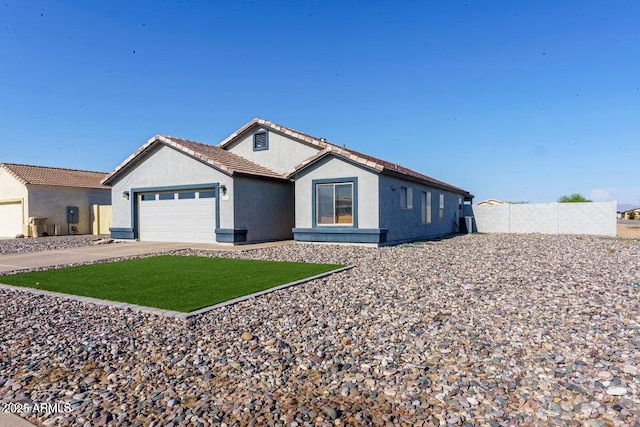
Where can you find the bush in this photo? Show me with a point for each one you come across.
(631, 215)
(574, 198)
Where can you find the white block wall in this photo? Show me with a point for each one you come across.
(597, 218)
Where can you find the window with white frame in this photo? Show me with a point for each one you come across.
(426, 207)
(334, 204)
(441, 208)
(406, 198)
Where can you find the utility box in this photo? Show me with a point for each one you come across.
(38, 226)
(73, 214)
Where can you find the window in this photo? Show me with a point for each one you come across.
(334, 204)
(426, 207)
(146, 197)
(187, 195)
(166, 196)
(406, 198)
(207, 194)
(260, 141)
(441, 208)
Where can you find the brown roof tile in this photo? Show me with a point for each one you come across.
(43, 175)
(215, 156)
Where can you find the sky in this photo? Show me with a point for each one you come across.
(518, 101)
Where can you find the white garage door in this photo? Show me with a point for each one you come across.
(181, 216)
(10, 219)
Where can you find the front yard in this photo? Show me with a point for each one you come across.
(179, 283)
(482, 330)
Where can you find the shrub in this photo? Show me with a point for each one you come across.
(574, 198)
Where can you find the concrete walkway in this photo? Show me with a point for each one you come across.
(112, 250)
(12, 420)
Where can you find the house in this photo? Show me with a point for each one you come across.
(490, 202)
(43, 195)
(630, 214)
(268, 182)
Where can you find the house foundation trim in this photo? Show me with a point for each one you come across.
(342, 235)
(231, 235)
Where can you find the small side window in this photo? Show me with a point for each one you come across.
(260, 141)
(406, 198)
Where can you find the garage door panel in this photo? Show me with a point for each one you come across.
(10, 219)
(177, 220)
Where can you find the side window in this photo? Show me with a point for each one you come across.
(441, 208)
(426, 207)
(406, 198)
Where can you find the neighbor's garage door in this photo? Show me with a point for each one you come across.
(183, 216)
(10, 219)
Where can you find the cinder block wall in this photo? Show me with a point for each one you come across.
(597, 218)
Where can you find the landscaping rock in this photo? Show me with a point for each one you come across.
(48, 243)
(475, 330)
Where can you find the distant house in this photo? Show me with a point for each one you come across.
(490, 202)
(627, 214)
(268, 182)
(47, 193)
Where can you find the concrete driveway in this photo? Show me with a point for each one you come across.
(12, 420)
(107, 251)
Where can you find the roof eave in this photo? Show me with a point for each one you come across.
(259, 176)
(372, 167)
(449, 188)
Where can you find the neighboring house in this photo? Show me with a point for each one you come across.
(625, 214)
(28, 192)
(490, 202)
(268, 182)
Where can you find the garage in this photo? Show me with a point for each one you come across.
(180, 216)
(10, 218)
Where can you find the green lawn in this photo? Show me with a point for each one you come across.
(179, 283)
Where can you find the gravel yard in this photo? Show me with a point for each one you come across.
(475, 330)
(19, 246)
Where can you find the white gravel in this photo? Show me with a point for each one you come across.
(476, 330)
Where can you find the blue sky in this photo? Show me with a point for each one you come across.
(521, 101)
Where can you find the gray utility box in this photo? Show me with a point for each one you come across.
(73, 214)
(38, 226)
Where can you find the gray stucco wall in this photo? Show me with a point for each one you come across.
(597, 218)
(406, 224)
(333, 167)
(283, 153)
(166, 166)
(52, 201)
(264, 208)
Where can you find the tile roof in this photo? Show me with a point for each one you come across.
(43, 175)
(331, 148)
(214, 156)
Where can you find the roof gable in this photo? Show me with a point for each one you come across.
(213, 156)
(328, 148)
(52, 176)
